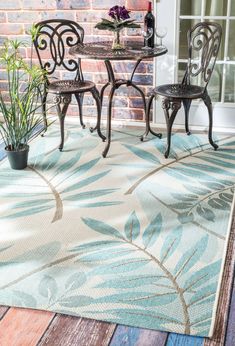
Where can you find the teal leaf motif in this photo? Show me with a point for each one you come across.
(191, 256)
(68, 164)
(23, 299)
(36, 202)
(121, 266)
(143, 154)
(141, 298)
(75, 281)
(29, 211)
(85, 182)
(152, 231)
(44, 252)
(89, 195)
(186, 217)
(132, 227)
(171, 243)
(99, 204)
(76, 301)
(203, 294)
(206, 213)
(197, 190)
(102, 227)
(203, 275)
(96, 245)
(78, 171)
(48, 287)
(131, 281)
(218, 203)
(108, 255)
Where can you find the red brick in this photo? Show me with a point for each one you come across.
(137, 4)
(11, 29)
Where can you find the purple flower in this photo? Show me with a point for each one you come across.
(119, 13)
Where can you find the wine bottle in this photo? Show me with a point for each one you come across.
(149, 22)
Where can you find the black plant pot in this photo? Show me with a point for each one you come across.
(18, 159)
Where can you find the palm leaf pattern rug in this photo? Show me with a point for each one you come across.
(134, 239)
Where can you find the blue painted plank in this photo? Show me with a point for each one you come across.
(230, 335)
(130, 336)
(184, 340)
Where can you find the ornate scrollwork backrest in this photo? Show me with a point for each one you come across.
(203, 43)
(54, 38)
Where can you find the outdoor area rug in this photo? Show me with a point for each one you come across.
(134, 239)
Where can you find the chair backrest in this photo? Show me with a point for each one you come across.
(203, 45)
(53, 39)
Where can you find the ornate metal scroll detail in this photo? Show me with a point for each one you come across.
(204, 39)
(56, 37)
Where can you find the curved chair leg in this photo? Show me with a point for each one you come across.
(62, 103)
(79, 98)
(96, 96)
(174, 106)
(44, 114)
(207, 100)
(187, 104)
(147, 119)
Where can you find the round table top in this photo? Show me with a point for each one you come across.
(103, 51)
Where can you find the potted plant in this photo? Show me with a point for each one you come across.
(20, 108)
(120, 20)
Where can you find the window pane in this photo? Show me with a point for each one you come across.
(216, 8)
(233, 8)
(215, 84)
(185, 25)
(190, 7)
(230, 84)
(223, 25)
(231, 46)
(181, 70)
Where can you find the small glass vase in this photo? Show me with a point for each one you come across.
(117, 44)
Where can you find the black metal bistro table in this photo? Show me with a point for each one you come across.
(103, 51)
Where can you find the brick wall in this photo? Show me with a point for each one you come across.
(16, 16)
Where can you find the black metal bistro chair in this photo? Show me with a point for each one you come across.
(203, 47)
(52, 41)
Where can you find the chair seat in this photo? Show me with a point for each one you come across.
(180, 91)
(70, 86)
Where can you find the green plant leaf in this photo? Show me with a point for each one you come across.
(132, 227)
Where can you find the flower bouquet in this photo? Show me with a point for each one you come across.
(120, 20)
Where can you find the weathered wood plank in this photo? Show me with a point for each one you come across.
(183, 340)
(230, 335)
(68, 330)
(3, 310)
(222, 312)
(130, 336)
(23, 326)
